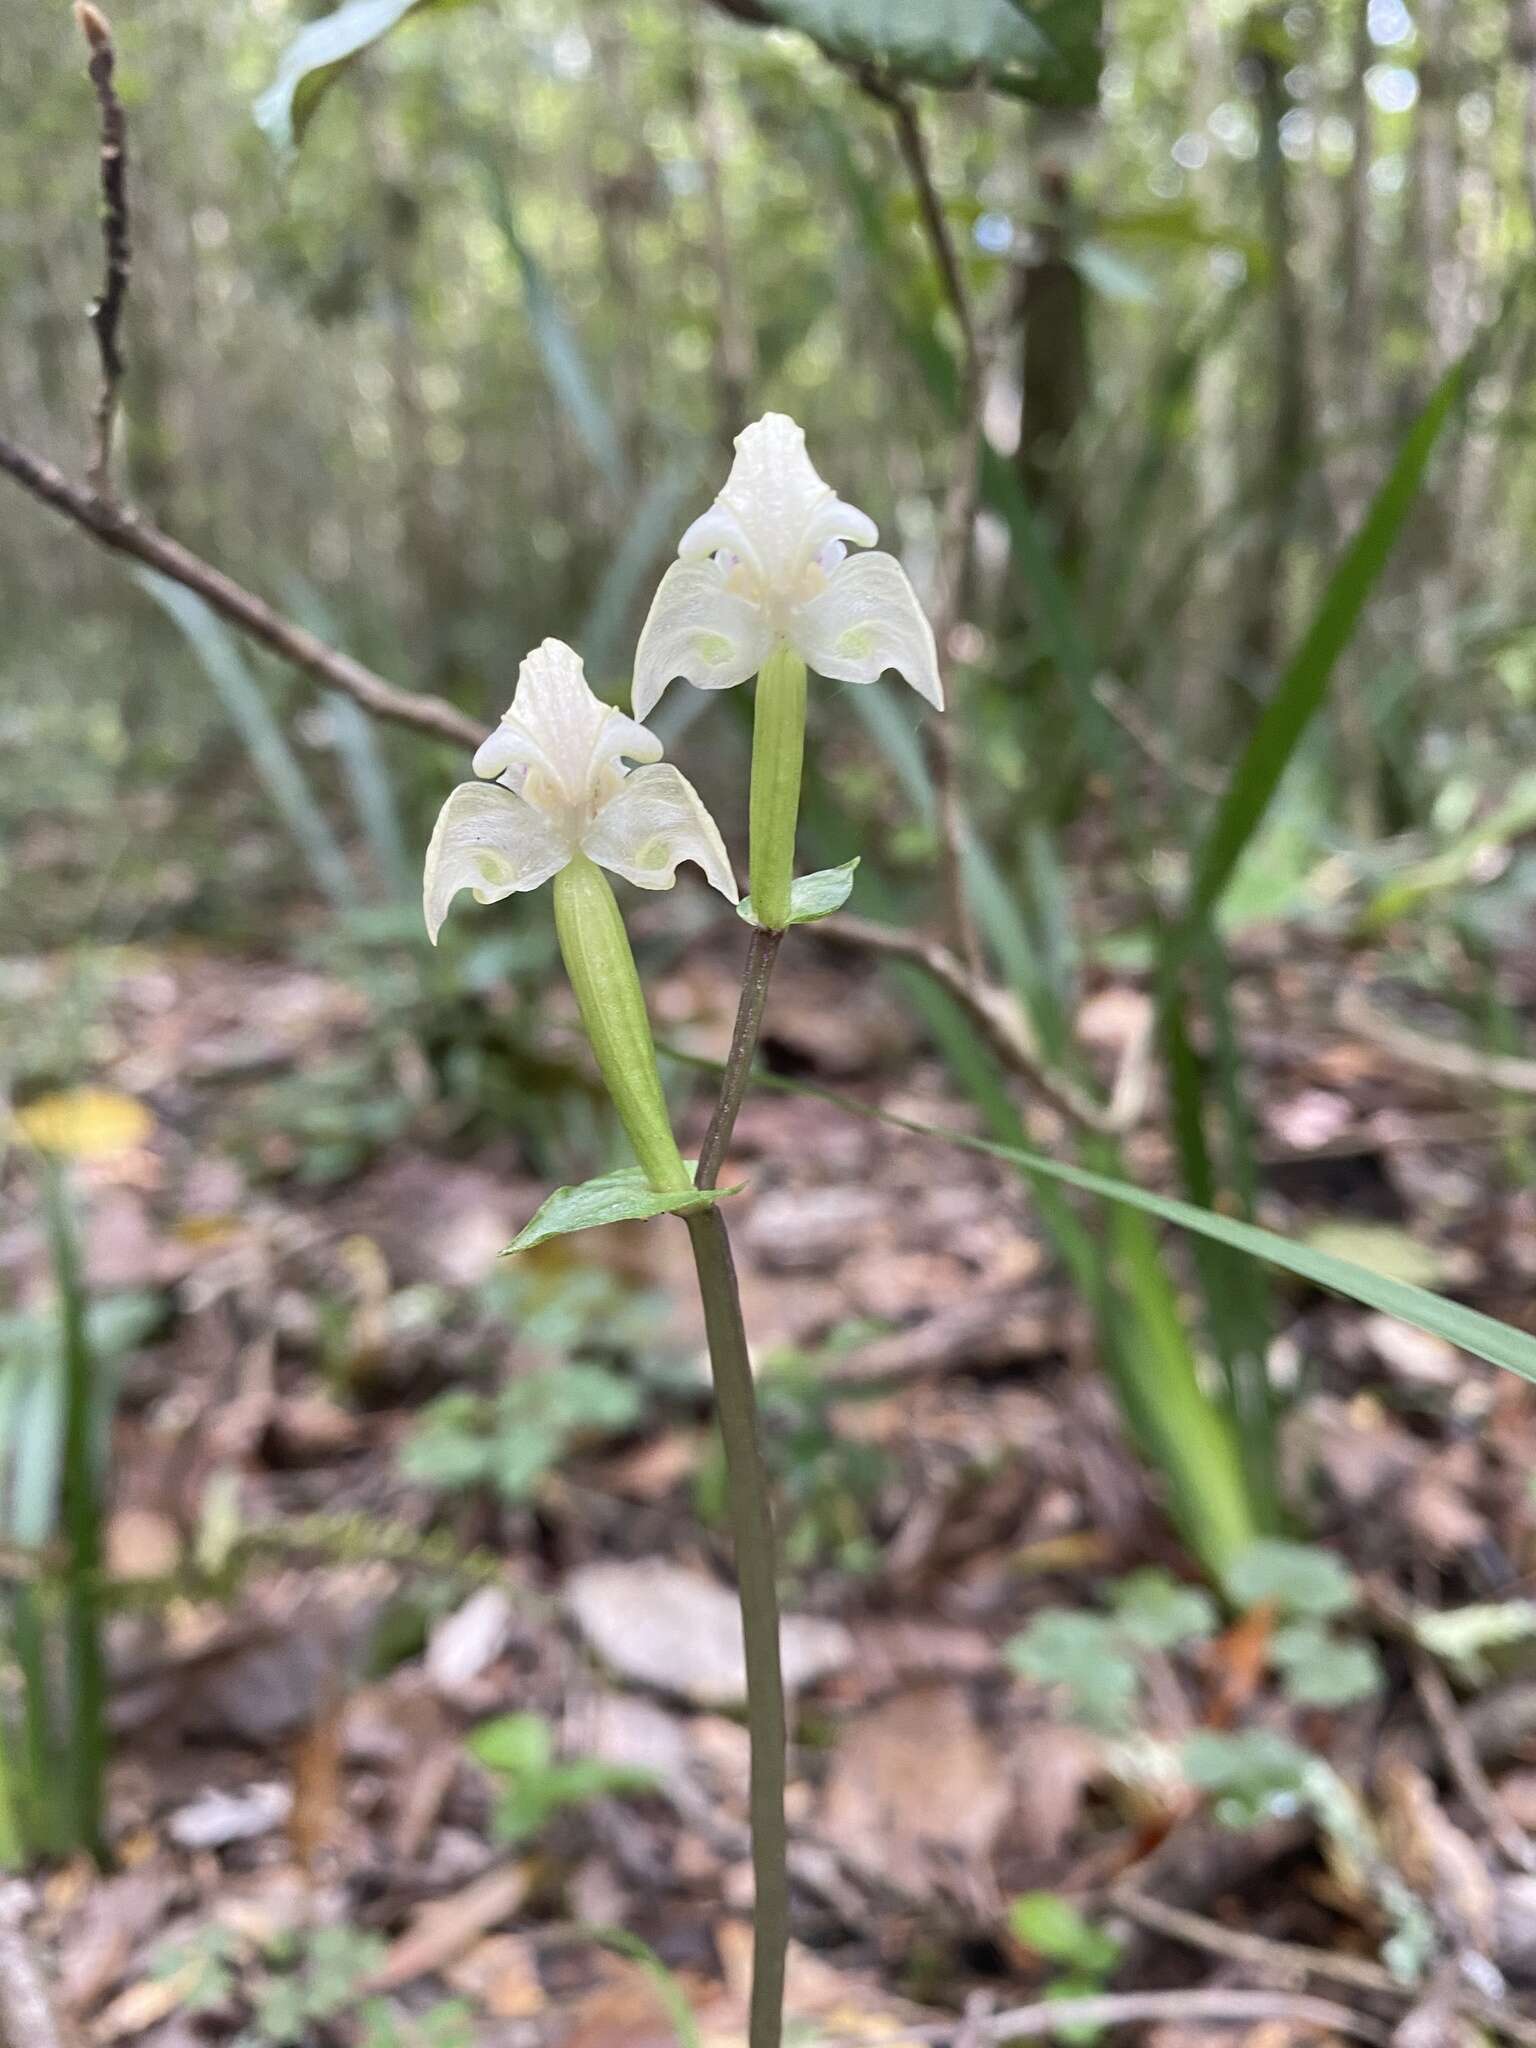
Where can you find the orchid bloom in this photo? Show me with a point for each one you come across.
(767, 568)
(557, 790)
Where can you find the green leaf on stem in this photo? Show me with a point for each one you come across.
(317, 55)
(813, 896)
(624, 1196)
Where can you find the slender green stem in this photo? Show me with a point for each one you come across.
(82, 1515)
(778, 753)
(761, 955)
(12, 1844)
(596, 951)
(756, 1575)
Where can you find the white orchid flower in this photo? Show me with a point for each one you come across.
(561, 791)
(767, 567)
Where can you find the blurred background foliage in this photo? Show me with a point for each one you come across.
(443, 319)
(451, 379)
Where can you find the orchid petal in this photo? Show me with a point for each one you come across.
(655, 821)
(775, 512)
(865, 621)
(491, 841)
(557, 732)
(700, 629)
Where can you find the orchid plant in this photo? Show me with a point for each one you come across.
(764, 584)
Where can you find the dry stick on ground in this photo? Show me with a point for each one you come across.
(1293, 1962)
(1463, 1763)
(107, 311)
(1507, 1072)
(1202, 2008)
(27, 2016)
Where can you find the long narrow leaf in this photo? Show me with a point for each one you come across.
(271, 756)
(555, 338)
(1304, 685)
(1468, 1328)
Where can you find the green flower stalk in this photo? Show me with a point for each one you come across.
(778, 753)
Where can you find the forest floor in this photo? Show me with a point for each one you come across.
(328, 1576)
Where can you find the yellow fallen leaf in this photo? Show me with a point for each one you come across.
(85, 1123)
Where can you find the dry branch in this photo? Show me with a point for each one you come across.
(128, 533)
(107, 309)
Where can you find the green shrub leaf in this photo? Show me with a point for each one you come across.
(316, 57)
(1320, 1669)
(1045, 50)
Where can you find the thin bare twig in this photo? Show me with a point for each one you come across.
(1211, 2007)
(1464, 1764)
(997, 1016)
(107, 309)
(127, 533)
(1293, 1962)
(1444, 1056)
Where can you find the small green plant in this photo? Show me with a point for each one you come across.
(298, 1984)
(1310, 1589)
(1085, 1955)
(506, 1442)
(1096, 1659)
(533, 1784)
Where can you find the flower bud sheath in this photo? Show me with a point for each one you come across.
(596, 951)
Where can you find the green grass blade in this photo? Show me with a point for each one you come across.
(271, 756)
(82, 1517)
(555, 338)
(1468, 1328)
(1304, 685)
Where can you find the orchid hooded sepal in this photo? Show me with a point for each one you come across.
(624, 1196)
(767, 566)
(557, 788)
(811, 896)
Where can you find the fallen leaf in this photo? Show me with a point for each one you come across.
(465, 1643)
(916, 1792)
(658, 1624)
(445, 1928)
(216, 1817)
(85, 1123)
